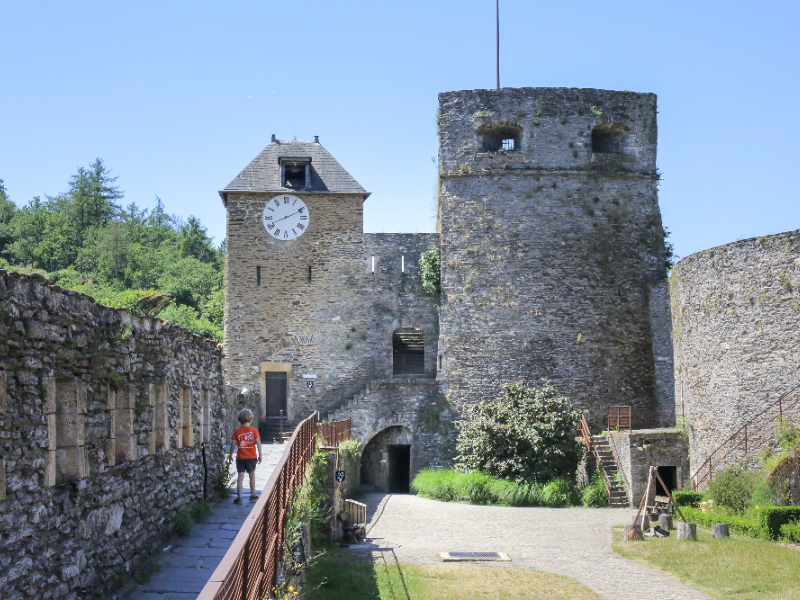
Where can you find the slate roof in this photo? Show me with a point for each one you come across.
(263, 174)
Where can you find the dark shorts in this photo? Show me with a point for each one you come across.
(245, 465)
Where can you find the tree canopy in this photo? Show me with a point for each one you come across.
(124, 257)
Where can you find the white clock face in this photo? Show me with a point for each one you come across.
(286, 217)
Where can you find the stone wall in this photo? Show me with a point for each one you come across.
(736, 331)
(550, 251)
(396, 298)
(104, 419)
(639, 450)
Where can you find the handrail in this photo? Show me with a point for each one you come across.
(249, 568)
(613, 445)
(708, 463)
(587, 438)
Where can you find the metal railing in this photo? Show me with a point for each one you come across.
(334, 432)
(752, 437)
(619, 418)
(249, 569)
(583, 427)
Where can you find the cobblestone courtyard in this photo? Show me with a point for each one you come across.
(575, 542)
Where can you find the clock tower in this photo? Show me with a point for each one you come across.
(294, 263)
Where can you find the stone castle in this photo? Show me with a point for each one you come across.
(552, 266)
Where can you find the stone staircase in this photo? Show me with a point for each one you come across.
(618, 496)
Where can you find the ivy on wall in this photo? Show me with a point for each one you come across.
(430, 271)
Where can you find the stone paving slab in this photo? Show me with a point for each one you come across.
(575, 542)
(188, 563)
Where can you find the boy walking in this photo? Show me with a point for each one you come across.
(246, 440)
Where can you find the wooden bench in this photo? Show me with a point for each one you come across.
(354, 520)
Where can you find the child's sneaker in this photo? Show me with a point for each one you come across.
(254, 497)
(237, 501)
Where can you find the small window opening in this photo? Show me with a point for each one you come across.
(408, 351)
(502, 135)
(403, 264)
(186, 435)
(610, 138)
(258, 276)
(295, 175)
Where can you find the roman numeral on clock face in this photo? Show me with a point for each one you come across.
(277, 232)
(300, 226)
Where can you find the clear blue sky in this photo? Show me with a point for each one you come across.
(177, 97)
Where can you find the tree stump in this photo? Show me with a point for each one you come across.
(720, 530)
(687, 531)
(665, 522)
(633, 533)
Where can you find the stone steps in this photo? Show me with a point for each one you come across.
(618, 496)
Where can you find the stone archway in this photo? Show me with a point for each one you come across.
(386, 460)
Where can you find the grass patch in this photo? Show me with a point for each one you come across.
(449, 485)
(735, 568)
(189, 514)
(332, 577)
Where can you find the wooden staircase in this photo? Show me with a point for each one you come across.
(617, 496)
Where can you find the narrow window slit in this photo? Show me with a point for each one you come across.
(403, 263)
(258, 276)
(309, 273)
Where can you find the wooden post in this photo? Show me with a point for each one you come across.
(719, 530)
(687, 531)
(644, 498)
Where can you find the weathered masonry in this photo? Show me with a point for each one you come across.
(109, 423)
(552, 265)
(736, 328)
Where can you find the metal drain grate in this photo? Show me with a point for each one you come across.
(455, 556)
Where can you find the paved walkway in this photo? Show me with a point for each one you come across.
(190, 561)
(575, 542)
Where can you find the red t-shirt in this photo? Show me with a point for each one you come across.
(245, 438)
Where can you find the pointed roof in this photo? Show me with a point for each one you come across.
(263, 174)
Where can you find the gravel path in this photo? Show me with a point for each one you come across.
(575, 542)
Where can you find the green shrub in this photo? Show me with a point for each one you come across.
(733, 488)
(189, 514)
(707, 519)
(771, 518)
(430, 271)
(559, 492)
(790, 532)
(686, 498)
(525, 435)
(595, 495)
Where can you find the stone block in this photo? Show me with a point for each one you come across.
(3, 393)
(50, 469)
(49, 404)
(2, 479)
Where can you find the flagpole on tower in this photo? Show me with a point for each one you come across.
(497, 6)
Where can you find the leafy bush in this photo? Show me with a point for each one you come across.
(771, 518)
(687, 498)
(595, 495)
(790, 532)
(524, 435)
(430, 271)
(733, 488)
(707, 519)
(449, 485)
(189, 514)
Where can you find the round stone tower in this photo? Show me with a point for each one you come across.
(552, 248)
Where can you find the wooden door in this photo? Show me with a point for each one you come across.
(275, 387)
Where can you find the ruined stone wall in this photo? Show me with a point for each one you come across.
(396, 296)
(639, 450)
(550, 251)
(104, 418)
(736, 331)
(297, 304)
